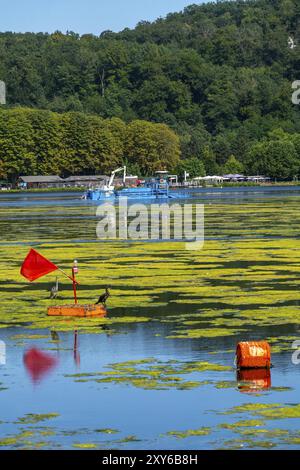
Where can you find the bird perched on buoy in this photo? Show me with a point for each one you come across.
(54, 290)
(103, 298)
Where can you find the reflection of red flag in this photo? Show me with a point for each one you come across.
(38, 363)
(35, 266)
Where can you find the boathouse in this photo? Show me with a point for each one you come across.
(85, 181)
(38, 182)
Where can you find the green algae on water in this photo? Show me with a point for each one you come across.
(8, 441)
(85, 446)
(242, 423)
(267, 411)
(269, 433)
(231, 285)
(204, 431)
(203, 333)
(27, 336)
(107, 431)
(157, 375)
(248, 444)
(32, 418)
(281, 412)
(130, 438)
(251, 408)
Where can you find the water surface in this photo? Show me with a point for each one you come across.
(159, 372)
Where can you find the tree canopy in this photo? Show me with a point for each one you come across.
(43, 142)
(218, 74)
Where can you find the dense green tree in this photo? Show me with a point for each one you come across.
(193, 166)
(210, 163)
(233, 166)
(151, 147)
(46, 141)
(275, 158)
(16, 140)
(43, 142)
(194, 140)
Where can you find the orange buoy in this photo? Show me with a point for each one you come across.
(253, 380)
(76, 310)
(253, 354)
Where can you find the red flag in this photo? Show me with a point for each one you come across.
(35, 266)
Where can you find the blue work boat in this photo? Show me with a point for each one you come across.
(156, 188)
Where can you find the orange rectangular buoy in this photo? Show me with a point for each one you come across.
(77, 310)
(253, 354)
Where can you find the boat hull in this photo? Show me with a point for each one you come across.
(98, 195)
(153, 190)
(77, 310)
(142, 193)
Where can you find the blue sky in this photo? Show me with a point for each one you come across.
(82, 16)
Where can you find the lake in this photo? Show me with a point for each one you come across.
(158, 372)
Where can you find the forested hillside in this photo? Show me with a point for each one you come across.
(218, 74)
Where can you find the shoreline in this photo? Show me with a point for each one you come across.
(79, 190)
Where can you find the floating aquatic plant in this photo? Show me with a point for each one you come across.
(243, 423)
(85, 445)
(157, 375)
(32, 418)
(204, 431)
(107, 431)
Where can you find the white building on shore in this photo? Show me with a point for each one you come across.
(2, 92)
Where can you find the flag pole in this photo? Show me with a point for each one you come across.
(74, 271)
(74, 286)
(73, 279)
(67, 275)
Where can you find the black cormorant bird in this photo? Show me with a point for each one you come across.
(103, 298)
